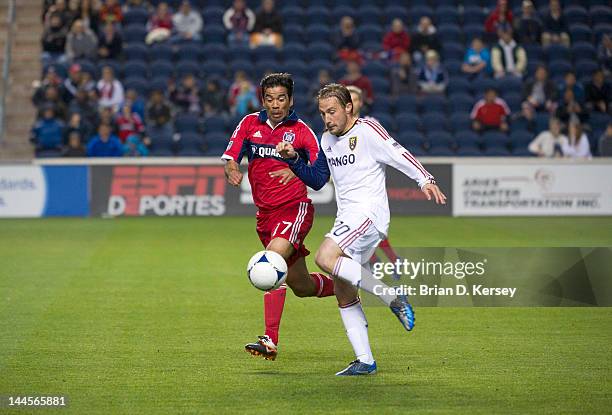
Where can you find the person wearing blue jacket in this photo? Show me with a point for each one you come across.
(104, 144)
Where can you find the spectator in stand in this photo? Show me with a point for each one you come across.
(110, 90)
(507, 57)
(528, 26)
(75, 147)
(604, 54)
(54, 41)
(128, 123)
(187, 23)
(79, 125)
(549, 143)
(539, 94)
(346, 41)
(48, 131)
(555, 26)
(570, 110)
(403, 77)
(72, 83)
(111, 12)
(604, 145)
(268, 26)
(105, 143)
(186, 96)
(110, 43)
(598, 93)
(134, 4)
(83, 106)
(213, 98)
(159, 114)
(425, 38)
(239, 21)
(490, 113)
(81, 42)
(136, 103)
(577, 145)
(397, 40)
(87, 82)
(244, 97)
(89, 13)
(50, 98)
(433, 78)
(60, 10)
(355, 77)
(500, 18)
(135, 147)
(160, 25)
(477, 60)
(570, 82)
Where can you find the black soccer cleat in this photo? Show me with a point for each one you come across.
(264, 347)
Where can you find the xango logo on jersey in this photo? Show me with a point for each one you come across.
(342, 160)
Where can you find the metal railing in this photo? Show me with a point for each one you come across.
(10, 24)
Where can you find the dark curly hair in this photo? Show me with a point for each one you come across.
(277, 79)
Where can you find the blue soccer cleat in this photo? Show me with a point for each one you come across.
(357, 368)
(404, 312)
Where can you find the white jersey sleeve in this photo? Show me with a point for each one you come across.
(388, 151)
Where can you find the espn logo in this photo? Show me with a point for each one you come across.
(167, 191)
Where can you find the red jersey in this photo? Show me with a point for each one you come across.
(255, 138)
(490, 114)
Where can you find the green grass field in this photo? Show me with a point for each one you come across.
(149, 316)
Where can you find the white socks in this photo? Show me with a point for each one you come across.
(356, 327)
(352, 272)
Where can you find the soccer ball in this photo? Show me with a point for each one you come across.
(267, 270)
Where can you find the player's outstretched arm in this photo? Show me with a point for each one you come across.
(432, 191)
(314, 176)
(233, 173)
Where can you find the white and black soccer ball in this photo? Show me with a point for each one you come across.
(267, 270)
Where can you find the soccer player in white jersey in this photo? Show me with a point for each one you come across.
(355, 151)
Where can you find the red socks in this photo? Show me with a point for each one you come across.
(388, 250)
(274, 302)
(325, 285)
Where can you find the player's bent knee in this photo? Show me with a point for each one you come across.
(282, 247)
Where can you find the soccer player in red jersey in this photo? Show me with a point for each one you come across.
(285, 213)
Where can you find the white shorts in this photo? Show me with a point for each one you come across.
(357, 236)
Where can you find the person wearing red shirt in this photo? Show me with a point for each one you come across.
(397, 40)
(129, 123)
(111, 12)
(162, 19)
(500, 16)
(490, 113)
(285, 213)
(355, 77)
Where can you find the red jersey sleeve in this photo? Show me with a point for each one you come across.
(235, 147)
(308, 141)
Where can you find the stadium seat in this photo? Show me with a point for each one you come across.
(509, 84)
(296, 67)
(408, 122)
(585, 69)
(217, 124)
(601, 29)
(213, 51)
(162, 143)
(213, 34)
(514, 100)
(494, 138)
(410, 139)
(472, 30)
(112, 63)
(318, 64)
(266, 65)
(387, 121)
(293, 33)
(48, 153)
(215, 68)
(382, 103)
(161, 52)
(460, 121)
(541, 122)
(380, 84)
(375, 68)
(461, 102)
(440, 138)
(450, 33)
(189, 52)
(318, 50)
(136, 51)
(469, 151)
(433, 103)
(576, 14)
(521, 138)
(458, 84)
(599, 121)
(446, 14)
(434, 122)
(467, 138)
(370, 33)
(480, 85)
(212, 15)
(406, 104)
(581, 33)
(188, 67)
(440, 151)
(265, 52)
(135, 16)
(369, 14)
(453, 67)
(583, 51)
(339, 11)
(186, 123)
(241, 52)
(317, 15)
(418, 11)
(497, 152)
(473, 15)
(161, 68)
(559, 68)
(453, 50)
(134, 33)
(159, 83)
(392, 11)
(190, 144)
(601, 15)
(134, 68)
(318, 32)
(557, 53)
(292, 15)
(295, 49)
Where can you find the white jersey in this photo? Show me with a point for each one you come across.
(357, 162)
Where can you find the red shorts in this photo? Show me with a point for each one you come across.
(291, 222)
